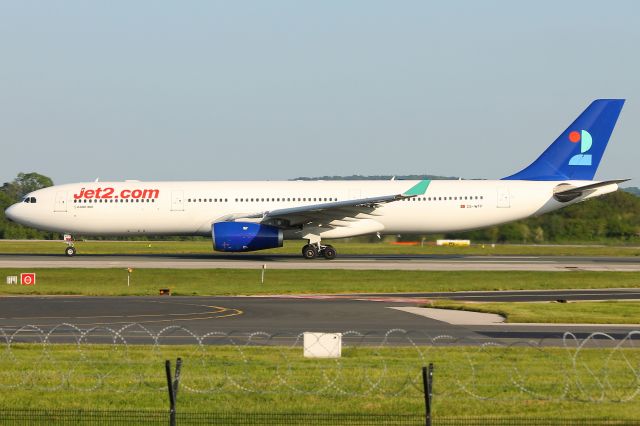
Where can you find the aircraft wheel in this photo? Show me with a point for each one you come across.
(309, 251)
(329, 252)
(70, 251)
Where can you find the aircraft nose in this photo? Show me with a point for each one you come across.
(10, 213)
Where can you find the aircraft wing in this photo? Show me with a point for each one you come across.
(326, 212)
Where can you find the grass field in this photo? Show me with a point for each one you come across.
(113, 282)
(611, 312)
(469, 381)
(293, 247)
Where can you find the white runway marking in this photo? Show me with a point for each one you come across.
(454, 317)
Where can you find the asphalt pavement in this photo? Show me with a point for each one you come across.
(275, 319)
(356, 262)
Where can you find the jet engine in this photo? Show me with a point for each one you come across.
(244, 236)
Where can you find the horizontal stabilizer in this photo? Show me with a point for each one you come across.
(571, 193)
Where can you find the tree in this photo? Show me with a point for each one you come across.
(24, 184)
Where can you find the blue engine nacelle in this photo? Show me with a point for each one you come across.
(245, 236)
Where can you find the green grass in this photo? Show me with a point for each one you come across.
(469, 381)
(113, 282)
(293, 247)
(610, 312)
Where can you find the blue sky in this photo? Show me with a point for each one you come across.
(163, 90)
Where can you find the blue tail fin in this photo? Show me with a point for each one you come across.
(577, 152)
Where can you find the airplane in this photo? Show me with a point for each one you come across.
(249, 216)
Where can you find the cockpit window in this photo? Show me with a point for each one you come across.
(33, 199)
(29, 200)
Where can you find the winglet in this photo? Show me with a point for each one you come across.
(418, 189)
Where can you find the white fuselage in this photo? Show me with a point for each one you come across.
(190, 208)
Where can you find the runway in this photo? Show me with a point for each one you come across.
(276, 320)
(353, 262)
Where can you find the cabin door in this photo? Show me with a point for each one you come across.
(177, 201)
(504, 198)
(61, 202)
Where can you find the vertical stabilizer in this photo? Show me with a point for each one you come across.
(577, 152)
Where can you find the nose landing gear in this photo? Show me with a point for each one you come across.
(311, 251)
(70, 250)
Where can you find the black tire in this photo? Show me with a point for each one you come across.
(309, 251)
(70, 251)
(329, 253)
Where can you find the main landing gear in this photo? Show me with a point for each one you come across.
(311, 251)
(70, 250)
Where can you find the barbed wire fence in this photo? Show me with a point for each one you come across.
(129, 359)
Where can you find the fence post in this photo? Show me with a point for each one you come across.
(427, 383)
(172, 386)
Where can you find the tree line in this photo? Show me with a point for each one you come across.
(614, 217)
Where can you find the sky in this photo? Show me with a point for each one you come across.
(256, 90)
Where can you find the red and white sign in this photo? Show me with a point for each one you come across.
(28, 278)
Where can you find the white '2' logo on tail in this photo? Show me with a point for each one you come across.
(585, 140)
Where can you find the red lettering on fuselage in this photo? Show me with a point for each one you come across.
(80, 195)
(108, 193)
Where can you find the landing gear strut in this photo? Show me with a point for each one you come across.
(70, 250)
(311, 251)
